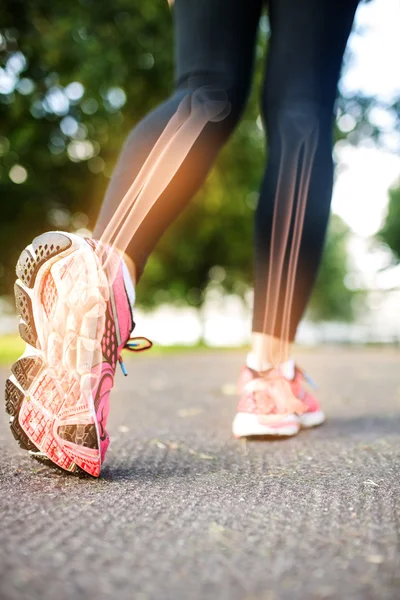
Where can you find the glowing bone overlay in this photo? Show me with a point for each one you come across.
(194, 112)
(183, 129)
(291, 195)
(55, 408)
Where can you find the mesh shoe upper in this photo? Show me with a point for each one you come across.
(270, 393)
(267, 393)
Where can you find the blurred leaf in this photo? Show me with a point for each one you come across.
(390, 232)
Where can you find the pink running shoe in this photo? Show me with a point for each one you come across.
(75, 322)
(271, 405)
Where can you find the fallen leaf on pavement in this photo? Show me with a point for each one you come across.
(189, 412)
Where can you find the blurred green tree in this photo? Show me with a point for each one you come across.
(390, 231)
(74, 79)
(331, 297)
(67, 70)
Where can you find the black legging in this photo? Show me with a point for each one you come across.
(214, 45)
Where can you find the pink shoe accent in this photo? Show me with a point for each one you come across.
(311, 403)
(313, 414)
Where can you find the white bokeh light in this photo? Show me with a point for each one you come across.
(74, 91)
(18, 174)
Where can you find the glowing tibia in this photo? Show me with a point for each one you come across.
(295, 167)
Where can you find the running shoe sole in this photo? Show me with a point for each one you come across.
(61, 295)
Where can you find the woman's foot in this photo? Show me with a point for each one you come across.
(75, 319)
(273, 405)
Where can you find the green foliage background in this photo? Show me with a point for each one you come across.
(123, 51)
(390, 232)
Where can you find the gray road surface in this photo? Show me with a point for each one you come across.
(184, 512)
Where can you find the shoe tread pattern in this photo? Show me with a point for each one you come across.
(45, 246)
(26, 369)
(82, 435)
(23, 303)
(14, 399)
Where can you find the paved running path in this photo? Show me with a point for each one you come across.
(184, 512)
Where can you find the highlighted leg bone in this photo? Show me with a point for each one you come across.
(296, 165)
(163, 162)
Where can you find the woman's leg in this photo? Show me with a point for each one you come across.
(214, 47)
(308, 39)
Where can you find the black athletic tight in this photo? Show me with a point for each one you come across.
(214, 45)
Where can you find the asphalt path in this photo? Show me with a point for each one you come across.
(182, 511)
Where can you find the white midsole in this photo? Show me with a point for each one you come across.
(312, 419)
(247, 424)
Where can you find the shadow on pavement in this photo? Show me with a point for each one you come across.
(370, 425)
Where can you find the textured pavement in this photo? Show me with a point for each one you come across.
(183, 511)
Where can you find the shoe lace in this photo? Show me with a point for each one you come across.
(306, 377)
(134, 344)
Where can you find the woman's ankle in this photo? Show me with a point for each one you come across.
(268, 351)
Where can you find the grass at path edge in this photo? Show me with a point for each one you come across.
(11, 347)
